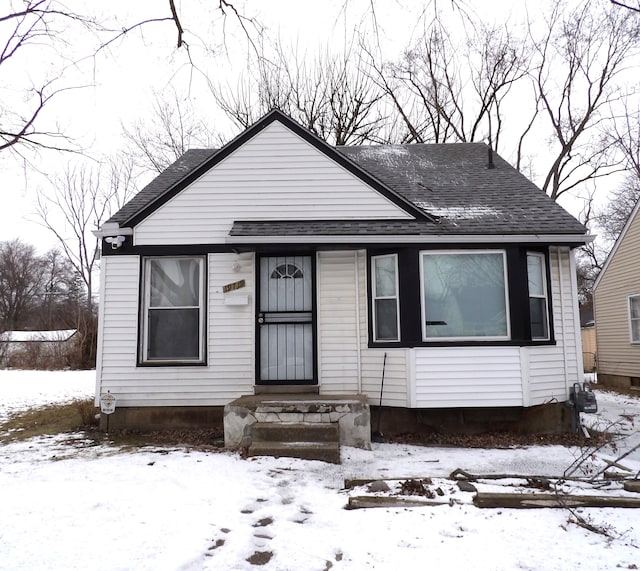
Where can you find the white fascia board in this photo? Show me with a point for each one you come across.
(111, 230)
(412, 239)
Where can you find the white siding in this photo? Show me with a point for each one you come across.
(277, 175)
(343, 351)
(229, 372)
(508, 376)
(338, 367)
(468, 377)
(553, 368)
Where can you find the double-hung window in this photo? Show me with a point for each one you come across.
(634, 318)
(173, 315)
(464, 295)
(538, 302)
(386, 317)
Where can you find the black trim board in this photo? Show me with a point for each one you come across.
(411, 298)
(252, 131)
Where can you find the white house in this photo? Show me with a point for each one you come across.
(279, 263)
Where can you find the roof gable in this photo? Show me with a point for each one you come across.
(634, 218)
(196, 163)
(437, 189)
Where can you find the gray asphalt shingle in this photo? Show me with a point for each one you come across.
(451, 182)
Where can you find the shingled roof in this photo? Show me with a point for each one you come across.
(451, 184)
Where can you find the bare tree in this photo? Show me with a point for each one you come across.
(581, 60)
(448, 90)
(21, 280)
(76, 203)
(33, 29)
(330, 94)
(627, 5)
(172, 129)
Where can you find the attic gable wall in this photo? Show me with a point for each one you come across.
(276, 175)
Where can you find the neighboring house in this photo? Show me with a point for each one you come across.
(281, 263)
(616, 295)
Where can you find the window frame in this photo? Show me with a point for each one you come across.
(545, 294)
(423, 309)
(145, 308)
(375, 297)
(632, 319)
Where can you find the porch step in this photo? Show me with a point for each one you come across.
(309, 441)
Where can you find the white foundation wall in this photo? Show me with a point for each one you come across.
(229, 371)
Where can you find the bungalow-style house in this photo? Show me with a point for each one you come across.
(434, 278)
(616, 295)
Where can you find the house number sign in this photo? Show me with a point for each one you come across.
(233, 286)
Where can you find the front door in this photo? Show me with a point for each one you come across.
(285, 321)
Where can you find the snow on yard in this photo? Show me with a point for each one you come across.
(66, 503)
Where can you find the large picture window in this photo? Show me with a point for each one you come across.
(464, 296)
(538, 304)
(634, 318)
(173, 310)
(386, 325)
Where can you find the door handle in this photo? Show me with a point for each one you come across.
(260, 318)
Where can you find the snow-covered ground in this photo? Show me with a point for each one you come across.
(66, 504)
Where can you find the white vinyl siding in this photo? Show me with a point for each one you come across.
(507, 376)
(468, 377)
(255, 183)
(346, 363)
(230, 339)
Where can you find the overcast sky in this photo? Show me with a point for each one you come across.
(121, 81)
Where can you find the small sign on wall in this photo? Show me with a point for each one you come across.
(107, 403)
(233, 286)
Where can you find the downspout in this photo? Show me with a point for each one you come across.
(357, 300)
(564, 323)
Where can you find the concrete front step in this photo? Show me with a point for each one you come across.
(296, 432)
(324, 451)
(306, 440)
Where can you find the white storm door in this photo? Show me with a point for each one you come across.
(285, 320)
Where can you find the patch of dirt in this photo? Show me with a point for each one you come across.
(260, 558)
(47, 420)
(498, 439)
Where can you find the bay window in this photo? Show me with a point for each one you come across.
(386, 317)
(464, 295)
(172, 317)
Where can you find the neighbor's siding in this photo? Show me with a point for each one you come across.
(230, 369)
(621, 278)
(255, 183)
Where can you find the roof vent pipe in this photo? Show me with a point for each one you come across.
(490, 164)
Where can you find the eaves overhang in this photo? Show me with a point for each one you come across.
(573, 240)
